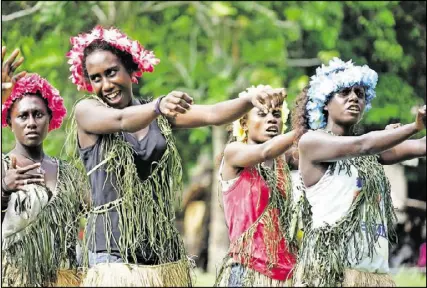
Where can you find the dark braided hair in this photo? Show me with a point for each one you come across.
(100, 45)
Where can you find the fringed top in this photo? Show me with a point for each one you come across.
(147, 151)
(351, 224)
(46, 238)
(258, 210)
(145, 208)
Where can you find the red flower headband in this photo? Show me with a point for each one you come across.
(145, 59)
(31, 84)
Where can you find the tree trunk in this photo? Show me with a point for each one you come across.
(218, 235)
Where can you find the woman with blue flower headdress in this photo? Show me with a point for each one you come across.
(347, 236)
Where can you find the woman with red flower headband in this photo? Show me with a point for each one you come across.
(128, 151)
(40, 194)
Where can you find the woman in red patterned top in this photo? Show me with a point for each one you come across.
(257, 196)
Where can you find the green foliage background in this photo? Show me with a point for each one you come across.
(213, 50)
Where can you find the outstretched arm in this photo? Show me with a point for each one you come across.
(228, 111)
(239, 155)
(320, 147)
(407, 150)
(94, 118)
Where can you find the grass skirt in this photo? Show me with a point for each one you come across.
(175, 274)
(250, 278)
(356, 278)
(65, 278)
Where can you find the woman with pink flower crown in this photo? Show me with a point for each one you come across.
(127, 149)
(41, 195)
(346, 240)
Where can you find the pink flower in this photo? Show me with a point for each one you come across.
(422, 256)
(31, 84)
(143, 58)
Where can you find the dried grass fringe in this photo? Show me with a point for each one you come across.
(49, 242)
(65, 278)
(175, 274)
(355, 278)
(252, 278)
(280, 199)
(323, 256)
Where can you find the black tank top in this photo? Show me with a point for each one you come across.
(146, 151)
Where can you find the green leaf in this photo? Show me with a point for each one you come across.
(385, 17)
(292, 13)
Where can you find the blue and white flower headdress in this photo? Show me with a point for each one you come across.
(329, 79)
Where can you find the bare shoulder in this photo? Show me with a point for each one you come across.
(309, 139)
(85, 104)
(232, 148)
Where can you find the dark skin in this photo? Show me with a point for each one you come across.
(8, 76)
(264, 142)
(407, 150)
(29, 121)
(112, 83)
(317, 149)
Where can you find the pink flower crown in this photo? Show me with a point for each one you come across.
(145, 59)
(31, 84)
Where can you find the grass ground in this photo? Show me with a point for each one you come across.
(405, 278)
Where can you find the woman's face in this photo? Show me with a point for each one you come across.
(262, 127)
(346, 106)
(109, 78)
(29, 120)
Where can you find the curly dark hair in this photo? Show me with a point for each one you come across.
(100, 45)
(299, 116)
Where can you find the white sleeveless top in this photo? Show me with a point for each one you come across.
(331, 199)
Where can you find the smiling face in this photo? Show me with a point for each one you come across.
(29, 120)
(109, 78)
(346, 106)
(262, 127)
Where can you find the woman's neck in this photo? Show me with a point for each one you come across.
(35, 153)
(338, 129)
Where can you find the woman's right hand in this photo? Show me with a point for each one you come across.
(269, 98)
(421, 118)
(7, 70)
(16, 178)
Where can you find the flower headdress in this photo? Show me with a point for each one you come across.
(145, 59)
(238, 131)
(332, 78)
(31, 84)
